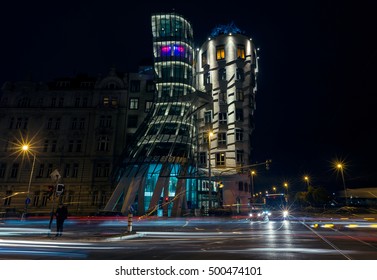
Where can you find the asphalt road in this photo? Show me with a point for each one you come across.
(207, 238)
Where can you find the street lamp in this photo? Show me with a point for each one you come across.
(306, 178)
(252, 181)
(26, 149)
(274, 189)
(286, 186)
(341, 167)
(210, 134)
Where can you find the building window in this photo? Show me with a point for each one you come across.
(205, 138)
(77, 102)
(222, 74)
(175, 110)
(135, 86)
(114, 101)
(150, 86)
(67, 170)
(106, 169)
(204, 58)
(57, 123)
(105, 101)
(45, 146)
(239, 115)
(134, 103)
(239, 156)
(49, 170)
(18, 123)
(103, 143)
(53, 102)
(3, 167)
(222, 118)
(239, 94)
(239, 134)
(208, 117)
(41, 170)
(220, 52)
(74, 123)
(207, 78)
(61, 102)
(78, 146)
(75, 170)
(240, 76)
(132, 121)
(36, 198)
(14, 170)
(220, 159)
(222, 97)
(105, 121)
(53, 146)
(70, 146)
(241, 51)
(203, 158)
(85, 102)
(148, 105)
(82, 123)
(221, 138)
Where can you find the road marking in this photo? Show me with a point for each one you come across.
(327, 241)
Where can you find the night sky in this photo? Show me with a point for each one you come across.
(316, 87)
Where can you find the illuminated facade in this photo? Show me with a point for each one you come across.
(227, 69)
(157, 169)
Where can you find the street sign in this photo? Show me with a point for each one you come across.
(27, 200)
(55, 175)
(59, 189)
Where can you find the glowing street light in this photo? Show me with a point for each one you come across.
(285, 184)
(306, 178)
(274, 189)
(341, 168)
(252, 172)
(26, 149)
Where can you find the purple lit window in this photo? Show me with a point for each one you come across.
(165, 50)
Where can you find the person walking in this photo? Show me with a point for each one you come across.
(61, 215)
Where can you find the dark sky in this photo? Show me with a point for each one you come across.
(317, 84)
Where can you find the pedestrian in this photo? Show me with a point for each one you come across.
(61, 214)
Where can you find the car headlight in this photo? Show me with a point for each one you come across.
(285, 213)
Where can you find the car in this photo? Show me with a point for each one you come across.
(259, 214)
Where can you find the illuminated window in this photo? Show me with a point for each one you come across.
(105, 100)
(134, 103)
(241, 51)
(220, 159)
(148, 105)
(220, 52)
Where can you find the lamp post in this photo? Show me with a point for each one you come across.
(306, 178)
(286, 186)
(340, 167)
(26, 149)
(252, 181)
(210, 134)
(274, 189)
